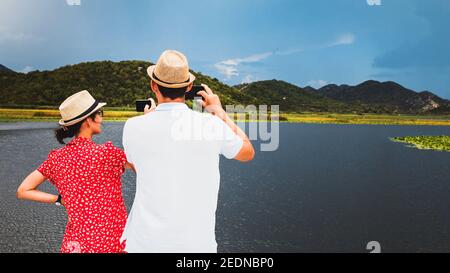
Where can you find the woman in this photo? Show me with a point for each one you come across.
(87, 176)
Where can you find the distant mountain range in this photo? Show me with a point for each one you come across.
(121, 83)
(390, 95)
(5, 69)
(367, 97)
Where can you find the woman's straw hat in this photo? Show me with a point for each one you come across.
(171, 70)
(78, 107)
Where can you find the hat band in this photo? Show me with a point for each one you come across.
(156, 78)
(84, 113)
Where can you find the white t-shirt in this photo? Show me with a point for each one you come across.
(176, 153)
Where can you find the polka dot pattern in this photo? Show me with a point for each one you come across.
(88, 177)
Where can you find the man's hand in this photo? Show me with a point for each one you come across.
(147, 109)
(212, 102)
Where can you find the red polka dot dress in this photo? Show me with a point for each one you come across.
(88, 177)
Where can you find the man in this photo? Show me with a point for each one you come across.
(176, 152)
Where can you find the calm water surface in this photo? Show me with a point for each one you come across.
(328, 188)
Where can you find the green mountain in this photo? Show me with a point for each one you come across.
(389, 96)
(117, 83)
(121, 83)
(291, 98)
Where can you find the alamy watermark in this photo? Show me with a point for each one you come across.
(73, 247)
(73, 2)
(374, 247)
(259, 123)
(374, 2)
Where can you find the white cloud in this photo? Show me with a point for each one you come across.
(345, 39)
(229, 68)
(250, 59)
(73, 2)
(374, 2)
(7, 35)
(248, 79)
(289, 51)
(27, 69)
(317, 83)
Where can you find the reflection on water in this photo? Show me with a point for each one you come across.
(328, 188)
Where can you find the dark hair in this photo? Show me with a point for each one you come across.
(172, 93)
(72, 130)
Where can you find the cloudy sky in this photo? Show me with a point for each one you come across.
(305, 42)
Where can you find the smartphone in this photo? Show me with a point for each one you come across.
(193, 93)
(140, 105)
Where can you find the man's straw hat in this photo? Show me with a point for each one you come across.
(171, 70)
(78, 107)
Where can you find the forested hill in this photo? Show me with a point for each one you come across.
(117, 83)
(121, 83)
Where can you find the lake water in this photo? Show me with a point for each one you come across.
(328, 188)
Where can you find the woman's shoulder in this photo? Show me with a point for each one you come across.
(109, 147)
(115, 155)
(56, 152)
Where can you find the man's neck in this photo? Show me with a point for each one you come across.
(165, 100)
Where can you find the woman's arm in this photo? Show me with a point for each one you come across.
(28, 189)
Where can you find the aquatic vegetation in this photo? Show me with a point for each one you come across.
(380, 119)
(440, 143)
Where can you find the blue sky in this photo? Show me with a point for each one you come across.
(305, 42)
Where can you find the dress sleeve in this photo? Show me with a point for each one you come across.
(46, 168)
(116, 157)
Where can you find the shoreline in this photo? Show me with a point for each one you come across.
(8, 115)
